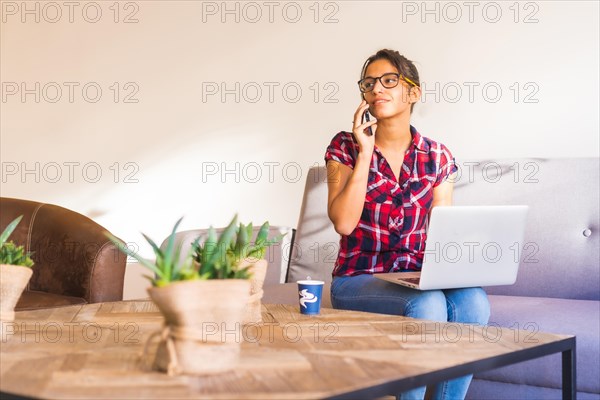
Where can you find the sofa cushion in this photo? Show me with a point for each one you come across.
(33, 300)
(532, 314)
(560, 252)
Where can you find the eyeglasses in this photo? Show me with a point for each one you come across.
(389, 80)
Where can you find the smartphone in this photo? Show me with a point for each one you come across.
(367, 117)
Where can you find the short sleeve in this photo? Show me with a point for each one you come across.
(447, 165)
(342, 149)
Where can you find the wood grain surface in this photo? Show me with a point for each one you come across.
(98, 351)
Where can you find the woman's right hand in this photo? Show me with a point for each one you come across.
(347, 187)
(366, 142)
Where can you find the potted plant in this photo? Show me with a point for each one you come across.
(249, 257)
(15, 272)
(203, 297)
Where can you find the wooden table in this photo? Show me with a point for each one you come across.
(97, 351)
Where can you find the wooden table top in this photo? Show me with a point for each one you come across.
(97, 351)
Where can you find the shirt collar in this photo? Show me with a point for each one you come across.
(417, 140)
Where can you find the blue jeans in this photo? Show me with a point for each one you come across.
(367, 293)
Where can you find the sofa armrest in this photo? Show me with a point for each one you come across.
(72, 255)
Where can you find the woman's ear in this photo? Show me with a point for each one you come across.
(415, 94)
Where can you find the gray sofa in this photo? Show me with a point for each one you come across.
(558, 286)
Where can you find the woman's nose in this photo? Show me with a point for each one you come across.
(378, 87)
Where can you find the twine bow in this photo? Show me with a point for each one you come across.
(169, 334)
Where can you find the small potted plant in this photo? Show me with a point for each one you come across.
(203, 297)
(249, 257)
(15, 272)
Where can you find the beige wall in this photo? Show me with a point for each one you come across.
(157, 152)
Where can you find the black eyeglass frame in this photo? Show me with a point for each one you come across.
(378, 78)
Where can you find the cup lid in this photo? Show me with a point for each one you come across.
(310, 282)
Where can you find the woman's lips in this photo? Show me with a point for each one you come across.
(380, 101)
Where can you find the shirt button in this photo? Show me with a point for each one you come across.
(587, 233)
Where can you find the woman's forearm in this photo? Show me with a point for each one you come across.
(346, 208)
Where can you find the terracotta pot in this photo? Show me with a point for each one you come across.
(13, 280)
(203, 332)
(253, 310)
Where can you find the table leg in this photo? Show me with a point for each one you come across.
(569, 375)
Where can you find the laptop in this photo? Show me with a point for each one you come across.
(468, 246)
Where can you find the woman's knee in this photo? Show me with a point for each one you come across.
(367, 293)
(428, 304)
(469, 305)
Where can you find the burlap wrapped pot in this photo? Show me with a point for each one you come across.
(202, 332)
(13, 280)
(258, 269)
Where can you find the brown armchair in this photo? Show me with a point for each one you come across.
(74, 261)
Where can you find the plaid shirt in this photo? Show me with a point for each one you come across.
(391, 233)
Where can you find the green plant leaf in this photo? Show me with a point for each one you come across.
(9, 230)
(241, 245)
(220, 256)
(157, 251)
(224, 241)
(123, 248)
(204, 277)
(262, 233)
(275, 239)
(210, 245)
(12, 254)
(182, 267)
(169, 254)
(249, 230)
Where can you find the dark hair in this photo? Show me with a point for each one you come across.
(404, 66)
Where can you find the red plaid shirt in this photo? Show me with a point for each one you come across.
(391, 233)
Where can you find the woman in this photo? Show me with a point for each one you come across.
(382, 187)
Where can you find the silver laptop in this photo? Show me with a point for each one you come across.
(468, 246)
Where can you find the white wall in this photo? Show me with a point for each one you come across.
(175, 133)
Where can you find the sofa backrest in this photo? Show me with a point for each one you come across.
(316, 243)
(559, 256)
(560, 251)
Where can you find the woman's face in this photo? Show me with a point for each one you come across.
(387, 103)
